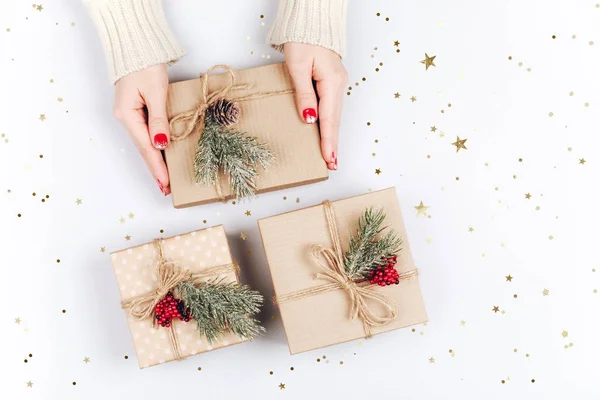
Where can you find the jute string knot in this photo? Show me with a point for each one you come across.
(331, 265)
(168, 276)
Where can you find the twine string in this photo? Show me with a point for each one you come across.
(169, 275)
(331, 266)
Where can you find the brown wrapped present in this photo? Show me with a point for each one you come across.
(322, 304)
(262, 106)
(149, 273)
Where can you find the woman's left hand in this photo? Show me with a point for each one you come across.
(306, 63)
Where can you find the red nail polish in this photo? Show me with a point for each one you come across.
(160, 141)
(309, 115)
(160, 186)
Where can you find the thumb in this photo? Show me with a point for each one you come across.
(158, 123)
(306, 100)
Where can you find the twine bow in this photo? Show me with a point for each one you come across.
(333, 270)
(169, 275)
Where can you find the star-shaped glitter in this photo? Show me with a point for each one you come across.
(460, 144)
(377, 171)
(496, 309)
(396, 95)
(442, 134)
(29, 384)
(42, 117)
(127, 237)
(471, 229)
(243, 235)
(421, 209)
(396, 43)
(509, 278)
(431, 360)
(281, 386)
(39, 7)
(564, 333)
(428, 61)
(86, 360)
(122, 220)
(413, 99)
(131, 215)
(102, 249)
(433, 128)
(17, 321)
(463, 322)
(528, 196)
(582, 161)
(248, 213)
(78, 202)
(545, 292)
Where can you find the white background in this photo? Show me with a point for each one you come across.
(500, 107)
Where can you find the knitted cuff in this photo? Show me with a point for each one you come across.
(318, 22)
(135, 35)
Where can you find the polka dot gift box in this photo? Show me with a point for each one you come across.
(181, 296)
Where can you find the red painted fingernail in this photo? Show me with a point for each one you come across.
(334, 160)
(161, 141)
(309, 115)
(160, 186)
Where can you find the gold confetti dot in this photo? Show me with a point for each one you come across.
(378, 14)
(74, 383)
(58, 260)
(503, 381)
(297, 199)
(591, 42)
(533, 381)
(571, 93)
(515, 295)
(318, 360)
(262, 16)
(126, 357)
(7, 29)
(199, 368)
(64, 311)
(387, 19)
(368, 124)
(520, 64)
(510, 58)
(291, 368)
(587, 104)
(270, 372)
(551, 114)
(553, 36)
(19, 215)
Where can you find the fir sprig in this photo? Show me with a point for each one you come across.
(366, 250)
(232, 152)
(219, 308)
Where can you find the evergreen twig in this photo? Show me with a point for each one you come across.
(366, 251)
(219, 308)
(232, 152)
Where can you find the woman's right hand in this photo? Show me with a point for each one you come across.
(141, 107)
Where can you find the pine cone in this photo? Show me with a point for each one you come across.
(224, 112)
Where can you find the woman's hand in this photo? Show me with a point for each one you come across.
(306, 63)
(140, 106)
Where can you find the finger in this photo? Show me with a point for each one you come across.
(138, 131)
(306, 100)
(158, 124)
(330, 112)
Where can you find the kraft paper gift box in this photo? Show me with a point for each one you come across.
(323, 319)
(135, 271)
(273, 120)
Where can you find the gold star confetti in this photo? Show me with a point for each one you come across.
(433, 128)
(281, 386)
(378, 171)
(496, 309)
(396, 43)
(122, 220)
(471, 229)
(428, 61)
(78, 202)
(463, 322)
(431, 360)
(86, 360)
(528, 196)
(442, 134)
(421, 209)
(582, 161)
(413, 99)
(131, 215)
(39, 7)
(102, 249)
(460, 144)
(17, 321)
(29, 384)
(243, 235)
(42, 117)
(509, 278)
(248, 213)
(127, 237)
(564, 334)
(396, 95)
(545, 292)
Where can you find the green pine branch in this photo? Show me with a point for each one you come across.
(219, 308)
(366, 250)
(232, 152)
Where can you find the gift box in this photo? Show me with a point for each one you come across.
(264, 109)
(319, 304)
(142, 272)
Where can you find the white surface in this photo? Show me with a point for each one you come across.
(500, 107)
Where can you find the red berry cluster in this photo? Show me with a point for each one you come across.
(169, 309)
(386, 274)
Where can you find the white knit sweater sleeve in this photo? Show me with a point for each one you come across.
(135, 35)
(318, 22)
